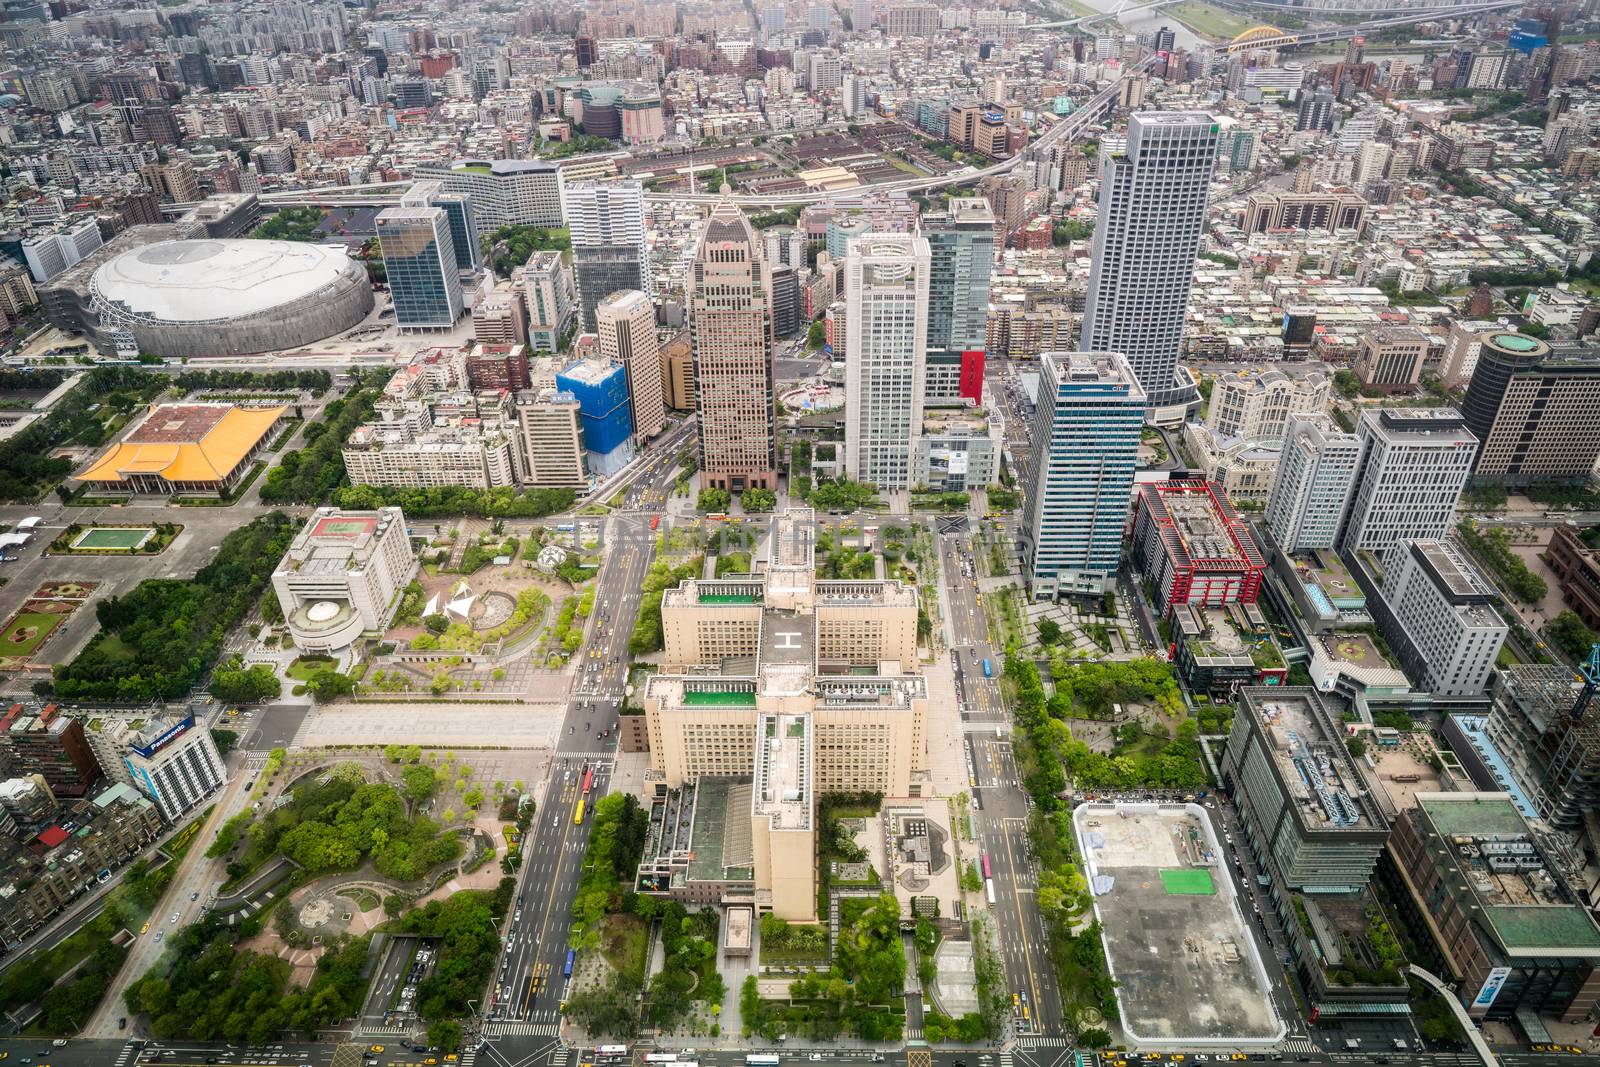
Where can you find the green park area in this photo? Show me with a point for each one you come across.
(26, 631)
(1208, 20)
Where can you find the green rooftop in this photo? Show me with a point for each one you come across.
(728, 598)
(697, 698)
(1543, 926)
(1477, 815)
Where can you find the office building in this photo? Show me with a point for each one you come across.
(1498, 908)
(50, 743)
(175, 764)
(1444, 609)
(457, 208)
(627, 336)
(1193, 546)
(48, 254)
(1086, 429)
(472, 453)
(729, 293)
(419, 260)
(777, 687)
(549, 427)
(1577, 570)
(504, 192)
(606, 222)
(1543, 724)
(601, 388)
(1462, 346)
(957, 449)
(550, 298)
(1414, 464)
(1315, 477)
(785, 302)
(1536, 414)
(961, 241)
(1256, 406)
(1152, 210)
(1309, 816)
(342, 575)
(1391, 358)
(1316, 112)
(886, 302)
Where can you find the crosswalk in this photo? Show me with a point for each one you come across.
(1042, 1041)
(129, 1051)
(1006, 1058)
(523, 1029)
(1297, 1044)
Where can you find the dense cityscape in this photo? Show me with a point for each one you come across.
(1061, 533)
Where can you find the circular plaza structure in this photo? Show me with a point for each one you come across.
(229, 297)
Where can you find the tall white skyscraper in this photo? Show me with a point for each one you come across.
(1414, 464)
(1085, 447)
(1316, 472)
(886, 316)
(1151, 215)
(606, 222)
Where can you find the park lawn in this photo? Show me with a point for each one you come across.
(622, 942)
(12, 644)
(303, 668)
(1209, 20)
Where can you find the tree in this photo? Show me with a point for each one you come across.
(420, 783)
(817, 335)
(329, 684)
(758, 499)
(436, 623)
(1568, 633)
(444, 1034)
(235, 686)
(225, 741)
(1346, 383)
(1357, 746)
(713, 500)
(1049, 632)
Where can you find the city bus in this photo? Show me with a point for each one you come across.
(611, 1051)
(988, 887)
(661, 1057)
(588, 780)
(761, 1060)
(987, 874)
(988, 672)
(566, 971)
(655, 522)
(577, 817)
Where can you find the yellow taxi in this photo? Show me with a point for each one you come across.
(5, 1055)
(431, 1061)
(145, 929)
(1575, 1050)
(1238, 1056)
(1177, 1057)
(375, 1049)
(449, 1057)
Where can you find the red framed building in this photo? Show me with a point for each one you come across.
(1194, 547)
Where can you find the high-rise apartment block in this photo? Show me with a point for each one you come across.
(1085, 449)
(729, 293)
(419, 260)
(886, 302)
(1316, 475)
(1445, 609)
(1152, 210)
(627, 336)
(961, 243)
(550, 298)
(777, 687)
(48, 742)
(606, 222)
(1414, 464)
(549, 427)
(1536, 414)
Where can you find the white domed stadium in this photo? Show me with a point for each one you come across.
(229, 297)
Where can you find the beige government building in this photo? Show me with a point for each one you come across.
(776, 687)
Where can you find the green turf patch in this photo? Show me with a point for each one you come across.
(125, 538)
(1187, 882)
(26, 631)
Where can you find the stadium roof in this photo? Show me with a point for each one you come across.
(186, 443)
(210, 281)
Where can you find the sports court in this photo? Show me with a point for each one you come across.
(333, 527)
(114, 538)
(1188, 970)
